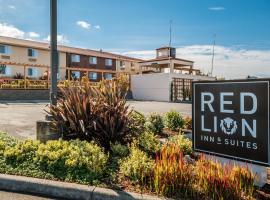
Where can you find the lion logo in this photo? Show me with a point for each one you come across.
(228, 126)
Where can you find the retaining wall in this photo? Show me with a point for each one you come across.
(17, 95)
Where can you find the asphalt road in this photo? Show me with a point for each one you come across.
(19, 119)
(16, 196)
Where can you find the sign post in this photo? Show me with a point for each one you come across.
(231, 120)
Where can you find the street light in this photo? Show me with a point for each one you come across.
(44, 131)
(54, 53)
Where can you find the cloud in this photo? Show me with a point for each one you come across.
(33, 34)
(12, 7)
(83, 24)
(11, 31)
(229, 62)
(60, 39)
(97, 27)
(216, 8)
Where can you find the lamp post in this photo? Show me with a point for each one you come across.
(54, 53)
(44, 131)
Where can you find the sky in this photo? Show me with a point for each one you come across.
(241, 29)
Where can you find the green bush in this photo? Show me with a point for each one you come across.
(74, 160)
(149, 142)
(6, 141)
(173, 120)
(137, 165)
(184, 143)
(21, 152)
(119, 150)
(155, 123)
(79, 157)
(136, 122)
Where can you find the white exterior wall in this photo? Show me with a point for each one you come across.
(152, 87)
(157, 86)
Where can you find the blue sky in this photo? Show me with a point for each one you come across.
(136, 27)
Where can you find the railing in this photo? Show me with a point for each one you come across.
(36, 84)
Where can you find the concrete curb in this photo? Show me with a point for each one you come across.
(65, 190)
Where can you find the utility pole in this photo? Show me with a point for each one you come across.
(54, 53)
(213, 56)
(170, 42)
(170, 45)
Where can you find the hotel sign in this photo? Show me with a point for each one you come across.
(231, 119)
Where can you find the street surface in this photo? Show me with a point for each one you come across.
(16, 196)
(19, 119)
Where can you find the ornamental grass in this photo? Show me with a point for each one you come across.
(172, 176)
(225, 181)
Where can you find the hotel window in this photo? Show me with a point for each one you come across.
(32, 53)
(75, 58)
(93, 75)
(122, 64)
(32, 72)
(75, 75)
(3, 69)
(4, 49)
(108, 62)
(93, 60)
(108, 76)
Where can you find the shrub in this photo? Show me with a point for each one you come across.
(136, 123)
(73, 114)
(78, 158)
(94, 113)
(74, 160)
(173, 120)
(188, 123)
(119, 150)
(184, 143)
(111, 115)
(22, 151)
(6, 141)
(137, 165)
(155, 123)
(149, 143)
(172, 177)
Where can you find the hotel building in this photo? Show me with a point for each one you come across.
(26, 59)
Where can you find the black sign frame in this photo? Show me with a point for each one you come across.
(212, 152)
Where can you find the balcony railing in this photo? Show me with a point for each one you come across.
(36, 84)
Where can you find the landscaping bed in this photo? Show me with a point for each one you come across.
(106, 144)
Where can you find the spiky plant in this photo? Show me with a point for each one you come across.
(72, 116)
(111, 114)
(94, 113)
